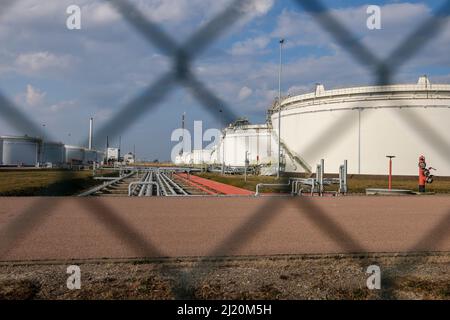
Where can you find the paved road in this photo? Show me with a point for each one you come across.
(81, 228)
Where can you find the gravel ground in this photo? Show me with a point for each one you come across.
(272, 277)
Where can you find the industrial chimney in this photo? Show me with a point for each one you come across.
(91, 127)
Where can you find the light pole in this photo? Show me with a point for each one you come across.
(43, 131)
(279, 112)
(247, 162)
(182, 128)
(223, 144)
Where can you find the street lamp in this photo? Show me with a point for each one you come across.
(223, 144)
(279, 111)
(247, 162)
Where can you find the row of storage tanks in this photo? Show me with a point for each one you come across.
(29, 151)
(255, 143)
(362, 125)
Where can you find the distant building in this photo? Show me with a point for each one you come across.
(112, 154)
(129, 158)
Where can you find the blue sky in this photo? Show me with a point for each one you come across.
(62, 77)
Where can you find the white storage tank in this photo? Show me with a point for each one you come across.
(100, 156)
(365, 124)
(90, 156)
(201, 156)
(74, 154)
(52, 152)
(256, 142)
(112, 154)
(20, 151)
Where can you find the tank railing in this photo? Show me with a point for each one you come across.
(412, 88)
(293, 155)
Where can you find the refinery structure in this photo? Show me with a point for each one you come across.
(360, 124)
(25, 151)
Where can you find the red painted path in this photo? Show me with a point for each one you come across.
(219, 187)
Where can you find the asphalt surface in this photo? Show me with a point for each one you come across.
(85, 228)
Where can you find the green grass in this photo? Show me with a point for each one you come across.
(53, 182)
(356, 183)
(45, 182)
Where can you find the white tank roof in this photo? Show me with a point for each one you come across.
(423, 85)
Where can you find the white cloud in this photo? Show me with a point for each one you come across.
(62, 105)
(103, 115)
(101, 13)
(171, 12)
(33, 62)
(33, 96)
(244, 93)
(117, 63)
(250, 46)
(398, 20)
(299, 89)
(258, 7)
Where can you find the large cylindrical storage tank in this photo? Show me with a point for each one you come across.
(365, 124)
(90, 156)
(20, 151)
(52, 152)
(100, 156)
(74, 154)
(254, 141)
(201, 156)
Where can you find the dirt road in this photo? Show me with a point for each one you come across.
(84, 228)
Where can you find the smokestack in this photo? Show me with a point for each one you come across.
(120, 146)
(91, 127)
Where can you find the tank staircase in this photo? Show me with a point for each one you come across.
(295, 158)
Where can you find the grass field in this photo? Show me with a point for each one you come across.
(356, 183)
(51, 182)
(265, 277)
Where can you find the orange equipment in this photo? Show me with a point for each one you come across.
(425, 175)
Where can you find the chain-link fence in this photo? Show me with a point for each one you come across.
(182, 57)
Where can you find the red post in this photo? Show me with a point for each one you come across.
(390, 171)
(390, 174)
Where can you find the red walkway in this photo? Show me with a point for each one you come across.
(218, 187)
